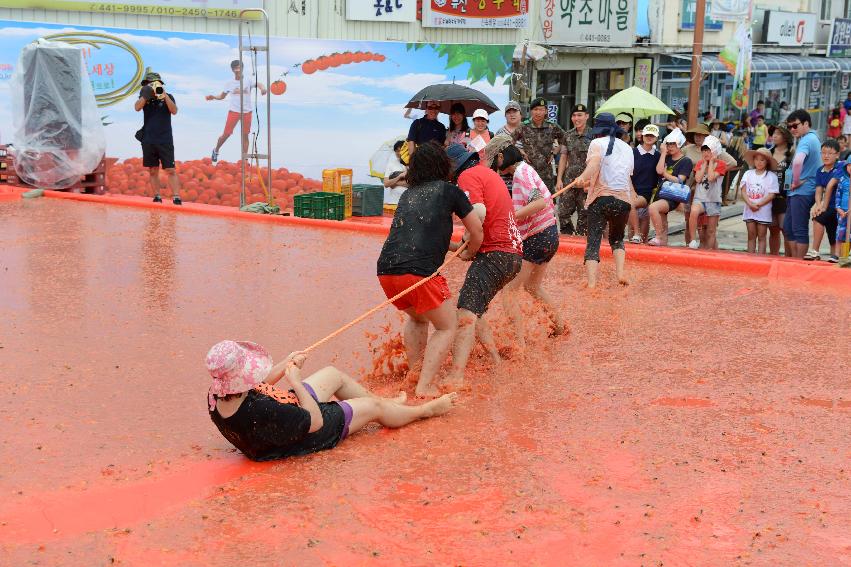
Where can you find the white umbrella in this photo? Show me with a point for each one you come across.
(378, 161)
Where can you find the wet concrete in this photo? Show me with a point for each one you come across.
(692, 418)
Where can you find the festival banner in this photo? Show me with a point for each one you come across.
(475, 14)
(171, 8)
(736, 58)
(334, 103)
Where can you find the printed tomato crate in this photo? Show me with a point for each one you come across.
(320, 205)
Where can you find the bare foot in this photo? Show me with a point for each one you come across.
(455, 380)
(401, 398)
(430, 391)
(623, 281)
(557, 329)
(496, 359)
(442, 404)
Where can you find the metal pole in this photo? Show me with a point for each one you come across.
(241, 121)
(696, 70)
(268, 49)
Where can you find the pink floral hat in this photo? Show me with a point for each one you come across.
(236, 367)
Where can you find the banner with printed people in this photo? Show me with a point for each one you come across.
(334, 103)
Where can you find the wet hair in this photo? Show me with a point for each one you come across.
(236, 64)
(510, 156)
(429, 163)
(398, 145)
(832, 144)
(801, 115)
(465, 125)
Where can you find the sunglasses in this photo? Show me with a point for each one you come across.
(793, 126)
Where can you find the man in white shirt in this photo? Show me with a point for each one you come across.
(395, 181)
(235, 112)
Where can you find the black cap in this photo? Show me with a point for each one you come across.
(579, 108)
(536, 102)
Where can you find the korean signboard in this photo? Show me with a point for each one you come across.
(382, 10)
(643, 73)
(188, 8)
(688, 15)
(588, 22)
(789, 28)
(840, 39)
(475, 13)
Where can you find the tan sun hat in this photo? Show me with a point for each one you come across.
(751, 154)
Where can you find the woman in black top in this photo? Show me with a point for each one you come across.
(415, 248)
(266, 423)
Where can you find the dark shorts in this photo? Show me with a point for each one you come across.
(542, 246)
(646, 193)
(488, 273)
(344, 405)
(829, 221)
(796, 225)
(155, 154)
(778, 205)
(672, 205)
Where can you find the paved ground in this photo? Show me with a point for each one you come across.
(674, 424)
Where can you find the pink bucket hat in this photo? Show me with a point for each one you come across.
(236, 367)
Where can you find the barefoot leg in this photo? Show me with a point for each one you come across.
(392, 414)
(463, 345)
(443, 319)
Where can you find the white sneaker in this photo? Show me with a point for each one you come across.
(694, 244)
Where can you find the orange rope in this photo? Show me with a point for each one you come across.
(385, 303)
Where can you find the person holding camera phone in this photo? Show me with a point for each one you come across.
(156, 137)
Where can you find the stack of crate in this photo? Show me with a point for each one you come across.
(7, 168)
(94, 182)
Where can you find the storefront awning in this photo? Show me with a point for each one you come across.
(768, 63)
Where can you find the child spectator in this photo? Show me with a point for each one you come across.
(823, 211)
(759, 186)
(760, 133)
(841, 204)
(708, 178)
(843, 146)
(834, 126)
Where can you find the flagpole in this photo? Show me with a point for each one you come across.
(696, 70)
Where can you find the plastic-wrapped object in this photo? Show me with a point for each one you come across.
(58, 133)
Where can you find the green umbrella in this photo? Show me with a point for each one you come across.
(637, 102)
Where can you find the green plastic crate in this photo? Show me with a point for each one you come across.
(320, 205)
(367, 200)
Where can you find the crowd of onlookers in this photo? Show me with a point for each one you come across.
(786, 177)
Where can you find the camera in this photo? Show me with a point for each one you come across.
(158, 89)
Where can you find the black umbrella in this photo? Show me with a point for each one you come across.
(448, 94)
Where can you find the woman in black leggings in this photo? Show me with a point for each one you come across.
(607, 178)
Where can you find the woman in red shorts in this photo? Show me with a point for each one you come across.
(415, 248)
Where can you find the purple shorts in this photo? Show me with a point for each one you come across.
(347, 409)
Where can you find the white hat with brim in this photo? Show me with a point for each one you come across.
(675, 136)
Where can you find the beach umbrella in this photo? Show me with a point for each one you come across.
(447, 94)
(637, 102)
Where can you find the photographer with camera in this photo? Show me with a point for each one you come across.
(156, 136)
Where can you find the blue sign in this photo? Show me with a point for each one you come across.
(840, 38)
(688, 13)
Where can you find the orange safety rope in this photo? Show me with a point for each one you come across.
(385, 303)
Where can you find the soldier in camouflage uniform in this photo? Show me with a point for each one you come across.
(573, 200)
(536, 137)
